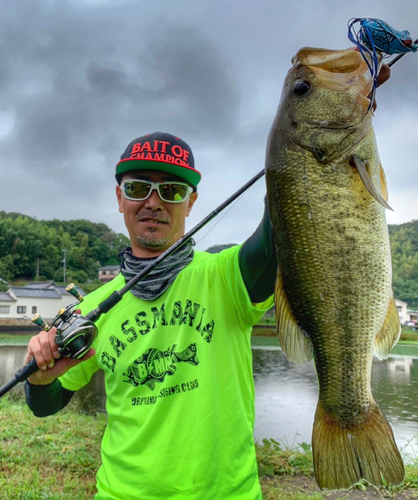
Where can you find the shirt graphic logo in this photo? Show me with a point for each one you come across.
(154, 365)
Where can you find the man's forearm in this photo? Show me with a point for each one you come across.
(46, 400)
(258, 263)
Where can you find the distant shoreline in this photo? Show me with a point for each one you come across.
(403, 348)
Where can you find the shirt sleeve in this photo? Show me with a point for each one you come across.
(45, 400)
(258, 262)
(249, 313)
(80, 375)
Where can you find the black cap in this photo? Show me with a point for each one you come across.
(159, 151)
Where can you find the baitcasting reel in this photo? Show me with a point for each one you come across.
(75, 333)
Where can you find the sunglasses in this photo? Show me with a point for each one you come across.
(170, 192)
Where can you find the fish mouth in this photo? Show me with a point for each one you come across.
(336, 70)
(325, 125)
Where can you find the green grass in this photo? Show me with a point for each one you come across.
(53, 458)
(259, 340)
(7, 339)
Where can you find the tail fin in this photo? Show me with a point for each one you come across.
(343, 455)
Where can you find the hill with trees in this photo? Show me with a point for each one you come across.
(404, 246)
(24, 240)
(91, 245)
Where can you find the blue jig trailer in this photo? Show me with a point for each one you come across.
(375, 40)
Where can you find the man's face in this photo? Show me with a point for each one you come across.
(153, 224)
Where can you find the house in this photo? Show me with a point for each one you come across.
(405, 315)
(402, 308)
(107, 273)
(43, 297)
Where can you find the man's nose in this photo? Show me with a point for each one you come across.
(154, 201)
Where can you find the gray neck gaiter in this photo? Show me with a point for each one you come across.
(159, 279)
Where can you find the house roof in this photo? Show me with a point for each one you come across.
(114, 267)
(40, 284)
(47, 285)
(35, 292)
(5, 297)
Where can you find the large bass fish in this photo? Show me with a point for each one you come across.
(327, 198)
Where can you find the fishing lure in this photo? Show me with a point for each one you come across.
(376, 39)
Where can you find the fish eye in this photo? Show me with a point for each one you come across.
(300, 87)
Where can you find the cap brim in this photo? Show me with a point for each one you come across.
(190, 175)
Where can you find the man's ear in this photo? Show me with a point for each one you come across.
(119, 197)
(191, 201)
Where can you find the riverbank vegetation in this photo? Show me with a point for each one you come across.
(57, 457)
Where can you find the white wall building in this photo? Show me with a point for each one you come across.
(402, 308)
(405, 315)
(45, 298)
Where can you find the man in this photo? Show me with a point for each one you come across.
(176, 351)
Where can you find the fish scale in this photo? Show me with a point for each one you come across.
(333, 293)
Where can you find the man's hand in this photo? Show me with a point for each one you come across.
(43, 348)
(382, 77)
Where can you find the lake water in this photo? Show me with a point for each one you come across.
(287, 393)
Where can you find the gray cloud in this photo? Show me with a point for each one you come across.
(80, 79)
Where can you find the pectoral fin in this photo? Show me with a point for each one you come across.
(356, 162)
(390, 332)
(295, 344)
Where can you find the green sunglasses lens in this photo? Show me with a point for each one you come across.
(173, 192)
(137, 190)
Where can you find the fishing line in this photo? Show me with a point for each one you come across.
(219, 219)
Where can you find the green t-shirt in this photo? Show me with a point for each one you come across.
(179, 386)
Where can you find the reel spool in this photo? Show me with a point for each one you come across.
(75, 333)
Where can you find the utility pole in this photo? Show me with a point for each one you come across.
(37, 269)
(64, 260)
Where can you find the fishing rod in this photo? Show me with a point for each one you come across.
(75, 332)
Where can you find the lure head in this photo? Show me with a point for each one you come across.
(376, 34)
(408, 42)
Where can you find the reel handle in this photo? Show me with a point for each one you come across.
(71, 288)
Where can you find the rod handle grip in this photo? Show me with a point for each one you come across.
(26, 370)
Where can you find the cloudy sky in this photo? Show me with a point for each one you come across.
(79, 79)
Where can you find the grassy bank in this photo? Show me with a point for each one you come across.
(56, 458)
(8, 339)
(53, 458)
